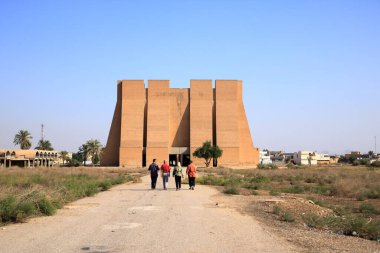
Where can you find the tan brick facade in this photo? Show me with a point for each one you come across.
(169, 124)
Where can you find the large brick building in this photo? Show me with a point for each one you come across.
(169, 123)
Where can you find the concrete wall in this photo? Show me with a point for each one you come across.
(201, 115)
(158, 124)
(227, 121)
(132, 122)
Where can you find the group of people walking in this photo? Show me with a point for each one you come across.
(191, 172)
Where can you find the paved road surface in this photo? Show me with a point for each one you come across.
(133, 218)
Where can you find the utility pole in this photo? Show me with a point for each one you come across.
(375, 145)
(42, 132)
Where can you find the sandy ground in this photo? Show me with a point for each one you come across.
(133, 218)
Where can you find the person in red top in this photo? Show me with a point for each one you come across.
(191, 172)
(165, 168)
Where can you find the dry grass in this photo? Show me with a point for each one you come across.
(40, 191)
(351, 193)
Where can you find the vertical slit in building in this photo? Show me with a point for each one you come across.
(214, 161)
(145, 128)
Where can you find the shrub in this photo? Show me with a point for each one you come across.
(286, 216)
(267, 166)
(274, 192)
(8, 208)
(361, 197)
(253, 192)
(347, 225)
(45, 206)
(230, 189)
(260, 179)
(211, 180)
(104, 186)
(375, 164)
(120, 179)
(373, 193)
(73, 163)
(295, 189)
(368, 209)
(232, 186)
(277, 210)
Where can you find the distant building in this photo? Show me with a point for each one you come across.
(305, 158)
(334, 159)
(289, 157)
(277, 156)
(264, 157)
(322, 158)
(314, 158)
(355, 154)
(28, 158)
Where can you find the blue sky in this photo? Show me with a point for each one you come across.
(310, 69)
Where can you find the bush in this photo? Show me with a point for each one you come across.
(286, 216)
(12, 210)
(375, 164)
(253, 192)
(295, 189)
(267, 166)
(277, 210)
(346, 225)
(45, 206)
(368, 209)
(73, 163)
(211, 180)
(274, 192)
(104, 186)
(231, 186)
(233, 190)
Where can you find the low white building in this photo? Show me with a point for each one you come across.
(305, 158)
(264, 157)
(322, 158)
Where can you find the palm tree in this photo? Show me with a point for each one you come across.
(64, 156)
(23, 138)
(94, 147)
(83, 153)
(44, 145)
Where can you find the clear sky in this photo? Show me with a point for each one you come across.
(310, 69)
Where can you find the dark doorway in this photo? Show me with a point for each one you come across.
(185, 160)
(172, 160)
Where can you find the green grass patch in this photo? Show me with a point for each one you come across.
(368, 209)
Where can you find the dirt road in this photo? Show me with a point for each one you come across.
(133, 218)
